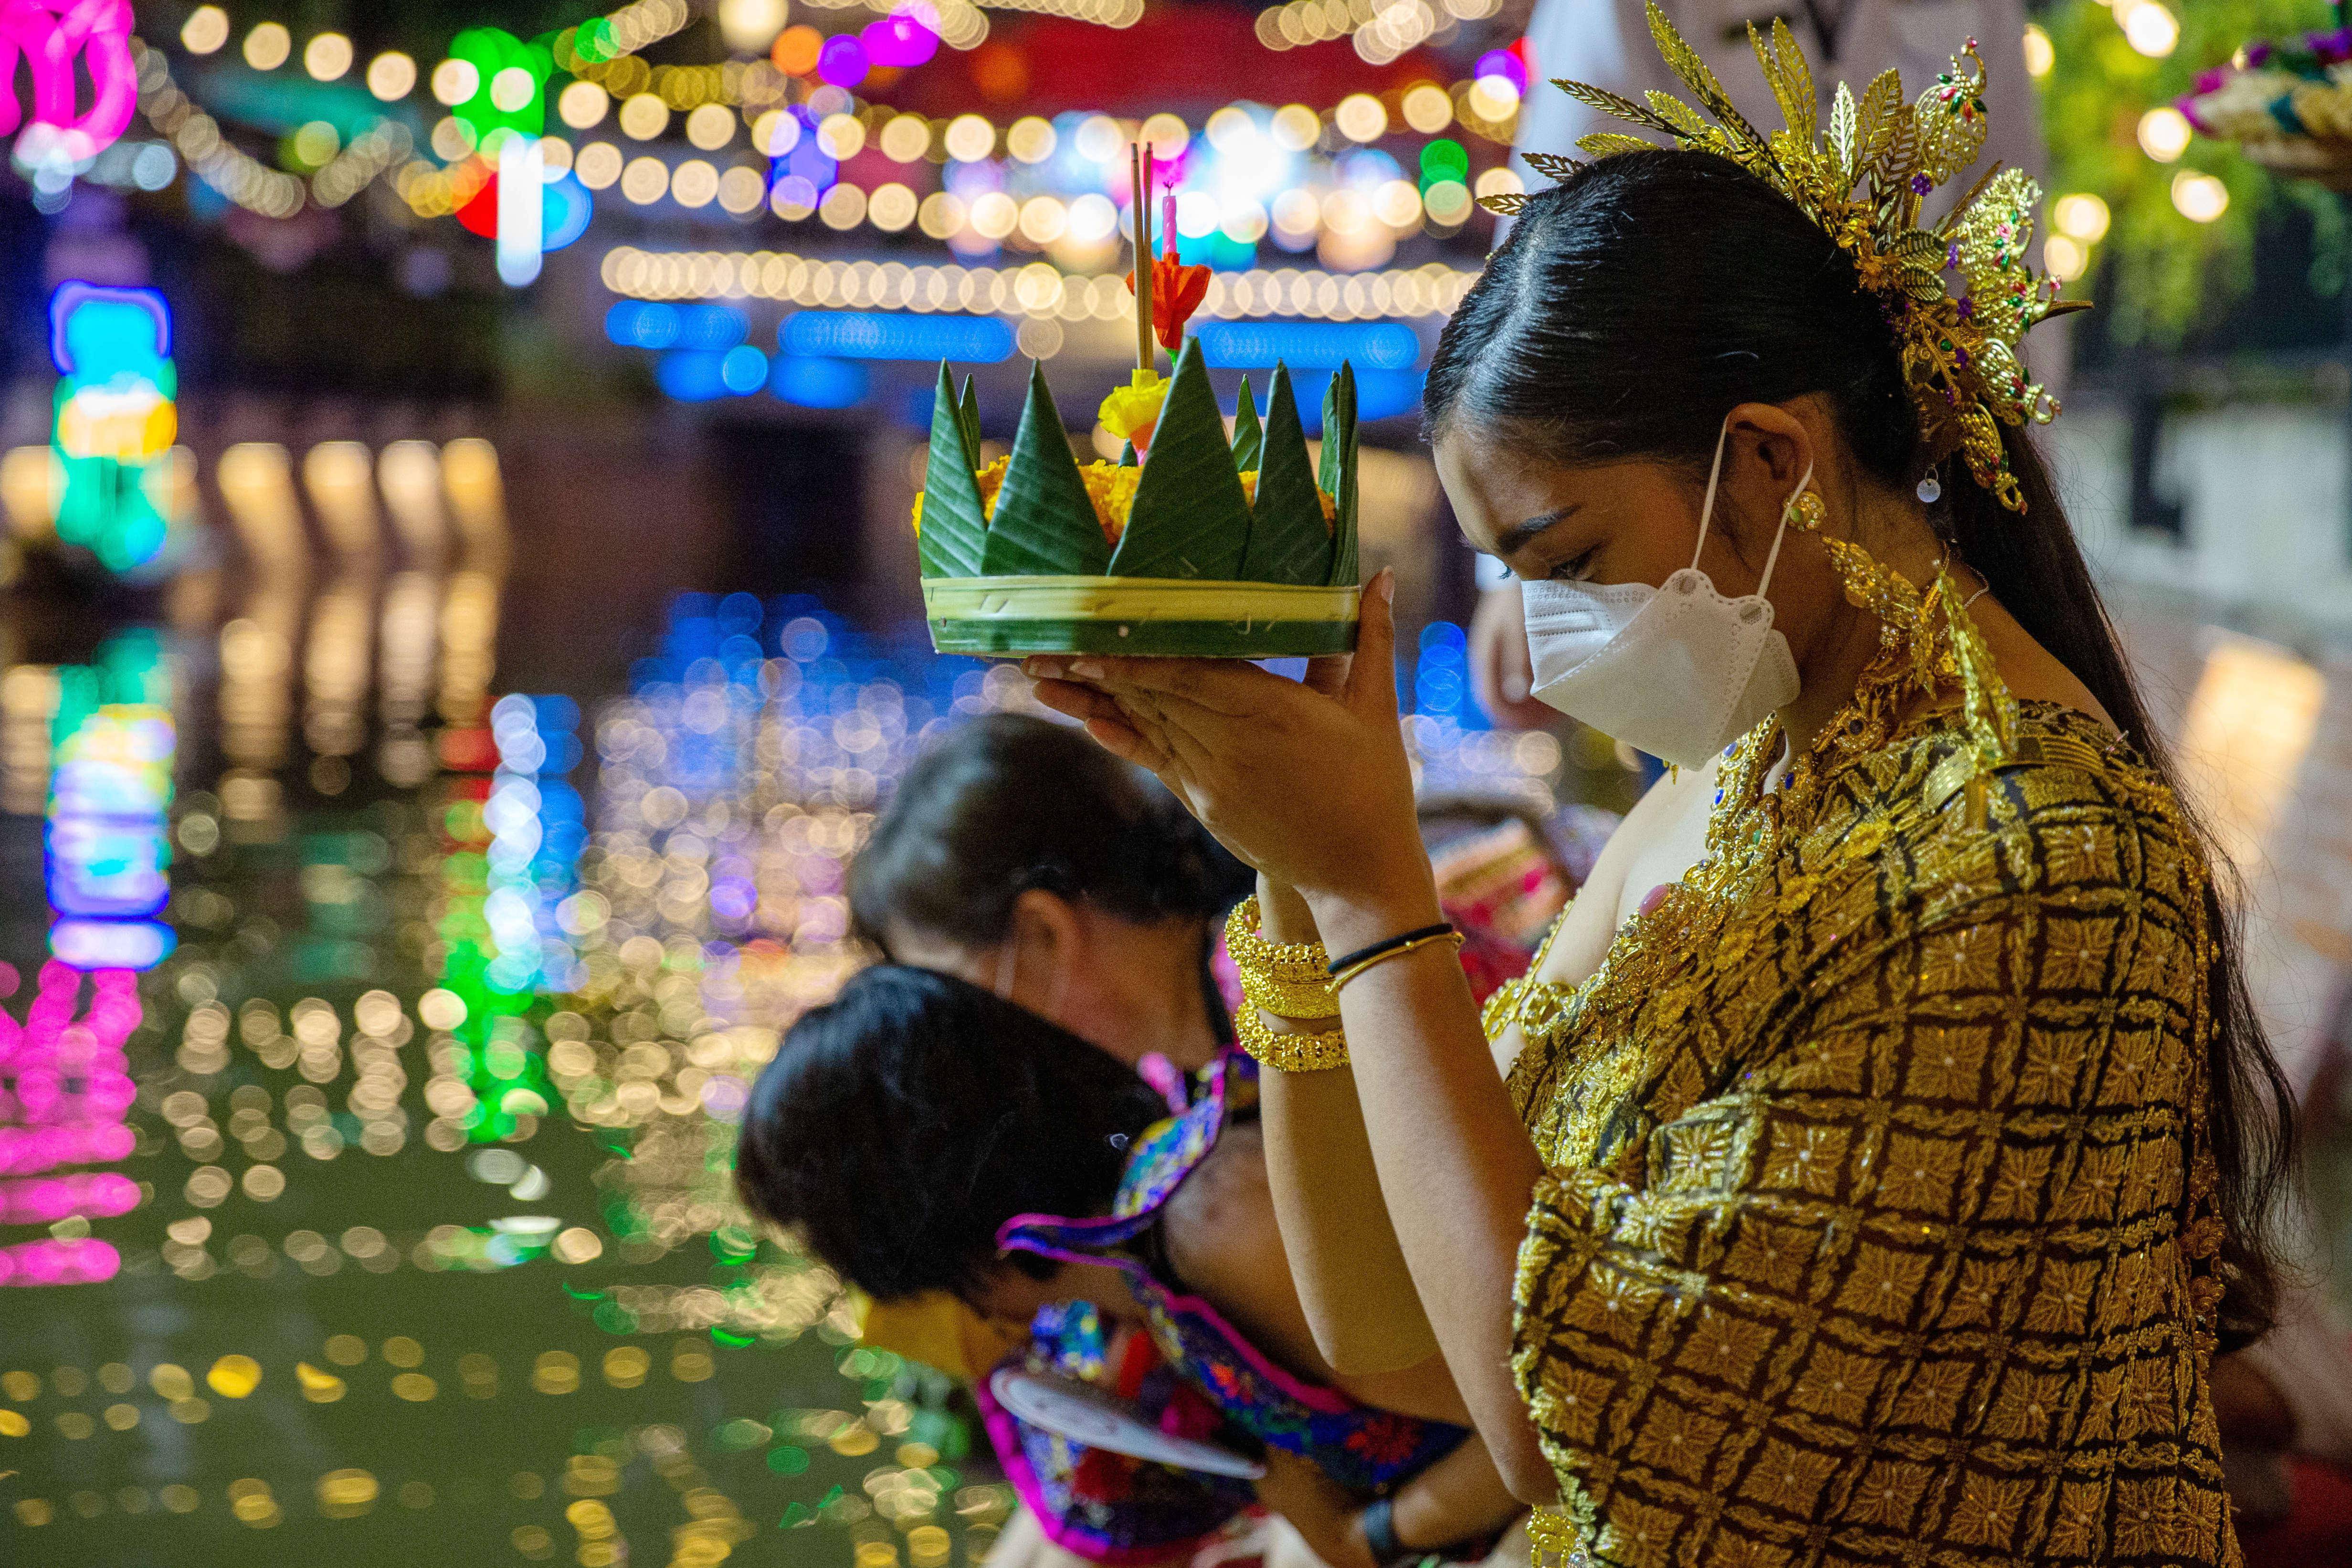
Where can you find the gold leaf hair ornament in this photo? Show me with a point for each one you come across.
(1864, 180)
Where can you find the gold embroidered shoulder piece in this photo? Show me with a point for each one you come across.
(1878, 1229)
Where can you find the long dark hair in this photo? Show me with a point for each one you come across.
(1638, 300)
(1010, 803)
(900, 1124)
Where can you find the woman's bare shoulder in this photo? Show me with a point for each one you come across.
(1591, 922)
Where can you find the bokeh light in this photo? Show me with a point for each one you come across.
(267, 45)
(2200, 198)
(204, 31)
(327, 56)
(391, 75)
(2165, 133)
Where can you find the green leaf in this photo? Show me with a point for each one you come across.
(955, 530)
(1045, 526)
(1126, 458)
(1338, 471)
(968, 412)
(1190, 518)
(1248, 435)
(1289, 540)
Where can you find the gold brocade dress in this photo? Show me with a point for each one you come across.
(1878, 1208)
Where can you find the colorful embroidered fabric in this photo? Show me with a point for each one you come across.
(1107, 1507)
(1362, 1448)
(1878, 1228)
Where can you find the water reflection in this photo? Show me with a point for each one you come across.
(399, 1186)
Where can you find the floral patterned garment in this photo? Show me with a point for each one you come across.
(1362, 1448)
(1879, 1201)
(1104, 1506)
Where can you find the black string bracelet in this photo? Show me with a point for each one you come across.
(1348, 961)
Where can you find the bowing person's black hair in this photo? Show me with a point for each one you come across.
(900, 1124)
(1010, 803)
(1637, 301)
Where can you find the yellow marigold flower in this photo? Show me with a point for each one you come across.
(1111, 488)
(1330, 507)
(1131, 411)
(992, 480)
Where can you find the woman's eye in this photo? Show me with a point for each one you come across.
(1572, 571)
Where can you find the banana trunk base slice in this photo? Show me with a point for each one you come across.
(1169, 617)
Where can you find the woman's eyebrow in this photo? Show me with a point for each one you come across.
(1518, 534)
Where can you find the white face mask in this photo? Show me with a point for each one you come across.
(1680, 671)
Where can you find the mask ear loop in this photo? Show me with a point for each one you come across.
(1008, 968)
(1781, 533)
(1706, 508)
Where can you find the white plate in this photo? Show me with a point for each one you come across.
(1085, 1414)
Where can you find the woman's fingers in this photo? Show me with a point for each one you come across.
(1329, 674)
(1128, 745)
(1227, 685)
(1143, 718)
(1079, 702)
(1371, 678)
(1128, 730)
(1120, 731)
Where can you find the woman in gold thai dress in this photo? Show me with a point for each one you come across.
(1879, 1191)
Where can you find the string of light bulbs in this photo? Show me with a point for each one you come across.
(1038, 289)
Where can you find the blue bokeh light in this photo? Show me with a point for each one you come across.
(743, 370)
(564, 213)
(692, 375)
(877, 335)
(816, 382)
(1310, 345)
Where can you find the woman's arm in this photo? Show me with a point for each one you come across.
(1456, 1166)
(1224, 1244)
(1459, 1499)
(1310, 784)
(1350, 1271)
(1350, 1274)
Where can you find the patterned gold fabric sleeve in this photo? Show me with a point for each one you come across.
(1904, 1282)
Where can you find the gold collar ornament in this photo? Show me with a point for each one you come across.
(1864, 183)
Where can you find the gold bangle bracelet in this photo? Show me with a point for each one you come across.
(1377, 959)
(1290, 1053)
(1291, 981)
(1289, 999)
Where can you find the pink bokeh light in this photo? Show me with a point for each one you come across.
(50, 36)
(65, 1091)
(87, 1261)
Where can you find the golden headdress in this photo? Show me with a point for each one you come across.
(1864, 183)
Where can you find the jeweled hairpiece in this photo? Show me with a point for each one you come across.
(1863, 183)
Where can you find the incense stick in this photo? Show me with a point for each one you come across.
(1141, 178)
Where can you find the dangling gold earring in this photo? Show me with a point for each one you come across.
(1886, 593)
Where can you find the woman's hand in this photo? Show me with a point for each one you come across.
(1318, 1508)
(1306, 781)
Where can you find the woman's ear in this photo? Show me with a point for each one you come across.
(1772, 444)
(1046, 940)
(1046, 923)
(1773, 447)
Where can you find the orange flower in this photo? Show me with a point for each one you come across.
(1177, 291)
